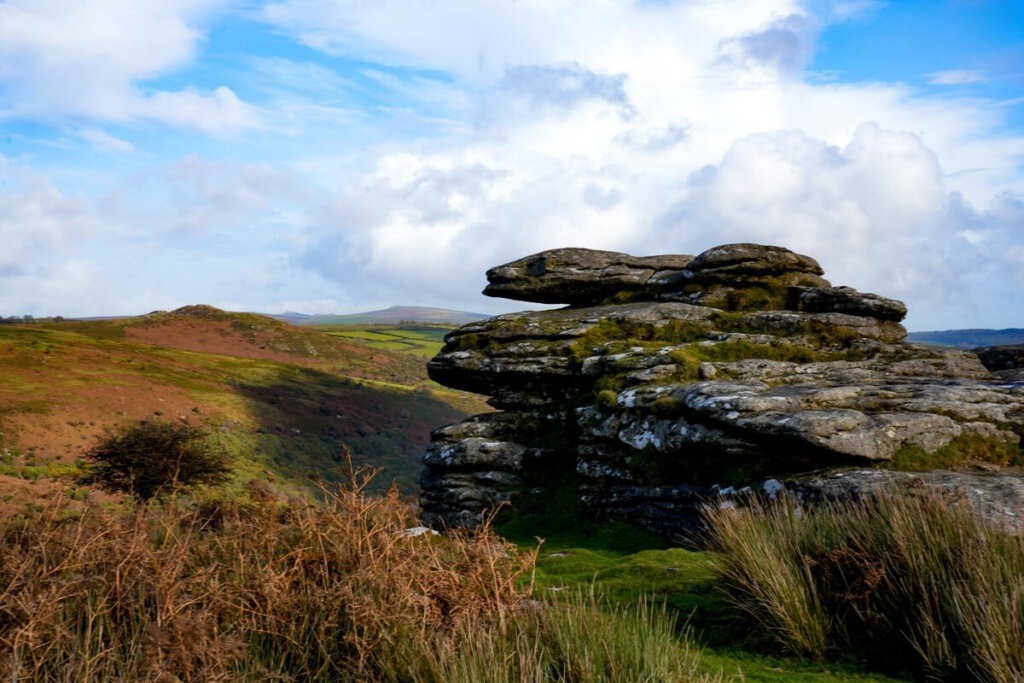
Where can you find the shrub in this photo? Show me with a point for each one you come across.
(150, 457)
(915, 580)
(288, 591)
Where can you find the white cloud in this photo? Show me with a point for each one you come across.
(187, 232)
(867, 211)
(194, 198)
(105, 142)
(216, 113)
(36, 219)
(476, 41)
(956, 77)
(83, 60)
(563, 86)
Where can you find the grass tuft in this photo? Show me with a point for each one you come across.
(916, 581)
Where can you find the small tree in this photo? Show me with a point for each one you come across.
(150, 457)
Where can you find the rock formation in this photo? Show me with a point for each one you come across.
(1005, 361)
(670, 381)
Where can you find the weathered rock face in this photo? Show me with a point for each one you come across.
(749, 262)
(1007, 357)
(739, 370)
(582, 276)
(849, 301)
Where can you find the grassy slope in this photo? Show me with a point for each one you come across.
(208, 329)
(65, 384)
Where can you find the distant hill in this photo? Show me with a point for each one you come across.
(387, 316)
(969, 339)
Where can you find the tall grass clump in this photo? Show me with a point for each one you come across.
(581, 640)
(912, 580)
(269, 590)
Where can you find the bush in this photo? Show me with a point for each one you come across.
(151, 457)
(913, 580)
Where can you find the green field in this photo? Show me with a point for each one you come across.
(420, 340)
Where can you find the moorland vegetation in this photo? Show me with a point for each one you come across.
(277, 572)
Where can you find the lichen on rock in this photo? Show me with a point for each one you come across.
(720, 373)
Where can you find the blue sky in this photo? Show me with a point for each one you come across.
(340, 155)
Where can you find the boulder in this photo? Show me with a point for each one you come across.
(731, 263)
(846, 300)
(998, 497)
(1005, 357)
(677, 512)
(582, 276)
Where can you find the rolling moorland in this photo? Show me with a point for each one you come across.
(283, 400)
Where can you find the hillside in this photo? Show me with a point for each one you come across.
(248, 335)
(969, 339)
(283, 400)
(389, 316)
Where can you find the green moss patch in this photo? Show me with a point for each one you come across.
(961, 451)
(766, 297)
(636, 334)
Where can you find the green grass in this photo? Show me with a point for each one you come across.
(685, 581)
(423, 341)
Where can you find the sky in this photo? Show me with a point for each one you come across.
(333, 156)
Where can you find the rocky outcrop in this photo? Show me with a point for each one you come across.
(670, 381)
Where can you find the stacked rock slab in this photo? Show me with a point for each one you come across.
(670, 381)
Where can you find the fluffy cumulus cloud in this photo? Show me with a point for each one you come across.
(665, 127)
(85, 60)
(876, 211)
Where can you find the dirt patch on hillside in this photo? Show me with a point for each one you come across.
(18, 496)
(210, 336)
(70, 428)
